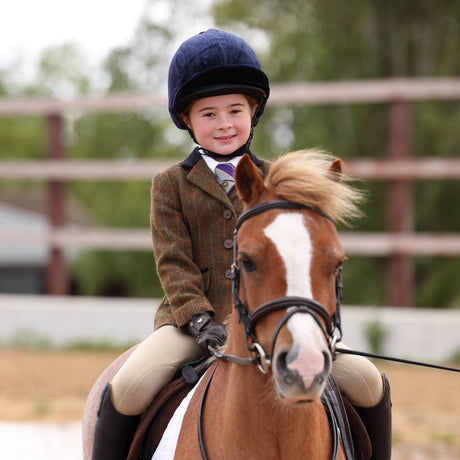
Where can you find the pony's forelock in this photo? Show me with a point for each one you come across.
(304, 177)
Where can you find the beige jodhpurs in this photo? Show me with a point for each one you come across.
(151, 367)
(154, 363)
(358, 379)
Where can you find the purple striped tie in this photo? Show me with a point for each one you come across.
(225, 175)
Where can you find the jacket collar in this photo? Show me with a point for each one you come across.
(195, 156)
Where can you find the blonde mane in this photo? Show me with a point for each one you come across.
(304, 177)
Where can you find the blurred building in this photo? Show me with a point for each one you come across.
(23, 265)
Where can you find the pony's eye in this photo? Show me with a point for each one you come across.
(246, 263)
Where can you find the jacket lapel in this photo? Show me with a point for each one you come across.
(201, 176)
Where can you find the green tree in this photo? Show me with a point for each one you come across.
(62, 72)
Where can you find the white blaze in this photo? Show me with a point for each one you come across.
(292, 240)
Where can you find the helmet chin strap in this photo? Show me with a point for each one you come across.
(219, 157)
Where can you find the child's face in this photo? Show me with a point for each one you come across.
(221, 124)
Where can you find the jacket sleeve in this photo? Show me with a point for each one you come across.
(181, 278)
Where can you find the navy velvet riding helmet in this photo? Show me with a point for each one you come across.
(214, 63)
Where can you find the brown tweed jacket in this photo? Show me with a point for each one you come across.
(192, 224)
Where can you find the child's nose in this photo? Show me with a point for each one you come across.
(225, 122)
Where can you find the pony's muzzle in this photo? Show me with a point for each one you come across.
(301, 369)
(292, 386)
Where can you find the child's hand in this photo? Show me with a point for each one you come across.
(206, 331)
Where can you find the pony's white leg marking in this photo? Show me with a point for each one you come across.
(293, 242)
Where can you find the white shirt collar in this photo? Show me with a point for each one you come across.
(213, 163)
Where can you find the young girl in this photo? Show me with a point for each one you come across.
(218, 92)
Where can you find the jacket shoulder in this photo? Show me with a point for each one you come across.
(170, 173)
(264, 167)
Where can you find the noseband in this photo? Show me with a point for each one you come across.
(331, 327)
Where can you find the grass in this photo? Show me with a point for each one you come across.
(42, 406)
(444, 438)
(455, 357)
(28, 338)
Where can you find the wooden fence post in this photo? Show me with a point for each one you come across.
(57, 279)
(400, 267)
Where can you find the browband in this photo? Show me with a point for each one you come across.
(276, 204)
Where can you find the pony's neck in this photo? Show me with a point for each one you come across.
(253, 413)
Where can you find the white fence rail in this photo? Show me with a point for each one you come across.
(421, 334)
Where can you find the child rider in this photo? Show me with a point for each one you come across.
(218, 92)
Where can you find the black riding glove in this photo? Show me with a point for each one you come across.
(206, 331)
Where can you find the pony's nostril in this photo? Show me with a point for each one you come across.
(284, 372)
(281, 363)
(327, 360)
(287, 377)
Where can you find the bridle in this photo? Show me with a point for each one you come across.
(330, 326)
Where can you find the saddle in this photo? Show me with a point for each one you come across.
(155, 419)
(157, 416)
(353, 433)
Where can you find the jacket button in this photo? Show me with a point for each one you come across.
(228, 214)
(228, 243)
(228, 274)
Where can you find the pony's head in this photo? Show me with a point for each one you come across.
(288, 258)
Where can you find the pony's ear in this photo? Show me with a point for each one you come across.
(335, 170)
(248, 182)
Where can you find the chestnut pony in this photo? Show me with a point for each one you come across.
(262, 398)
